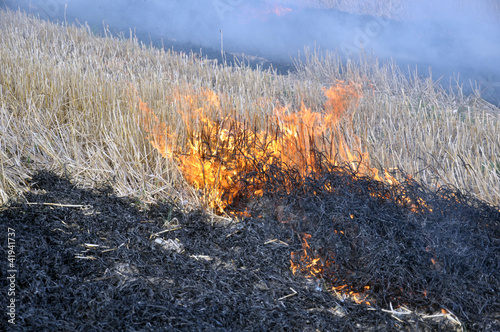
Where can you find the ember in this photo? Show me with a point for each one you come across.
(315, 267)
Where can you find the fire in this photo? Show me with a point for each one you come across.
(280, 10)
(321, 268)
(222, 150)
(154, 128)
(227, 158)
(313, 267)
(249, 12)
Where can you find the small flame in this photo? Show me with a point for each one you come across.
(280, 10)
(315, 267)
(249, 12)
(152, 126)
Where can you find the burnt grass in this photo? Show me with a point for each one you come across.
(89, 260)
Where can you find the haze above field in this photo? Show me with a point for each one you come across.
(450, 36)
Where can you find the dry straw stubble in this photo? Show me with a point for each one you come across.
(64, 106)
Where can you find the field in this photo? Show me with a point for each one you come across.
(144, 189)
(65, 106)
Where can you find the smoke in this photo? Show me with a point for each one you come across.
(453, 37)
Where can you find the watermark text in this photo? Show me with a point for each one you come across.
(11, 304)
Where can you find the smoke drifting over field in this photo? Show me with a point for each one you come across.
(449, 37)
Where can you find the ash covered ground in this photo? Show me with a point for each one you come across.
(87, 259)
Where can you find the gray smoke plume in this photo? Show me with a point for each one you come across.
(450, 38)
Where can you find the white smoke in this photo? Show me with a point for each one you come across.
(450, 36)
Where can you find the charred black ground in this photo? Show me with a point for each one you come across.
(90, 260)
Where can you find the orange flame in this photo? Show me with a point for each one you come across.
(280, 10)
(222, 150)
(262, 14)
(153, 127)
(313, 267)
(310, 267)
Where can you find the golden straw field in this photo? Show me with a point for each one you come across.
(65, 105)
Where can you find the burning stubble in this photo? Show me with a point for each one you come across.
(222, 151)
(98, 138)
(228, 159)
